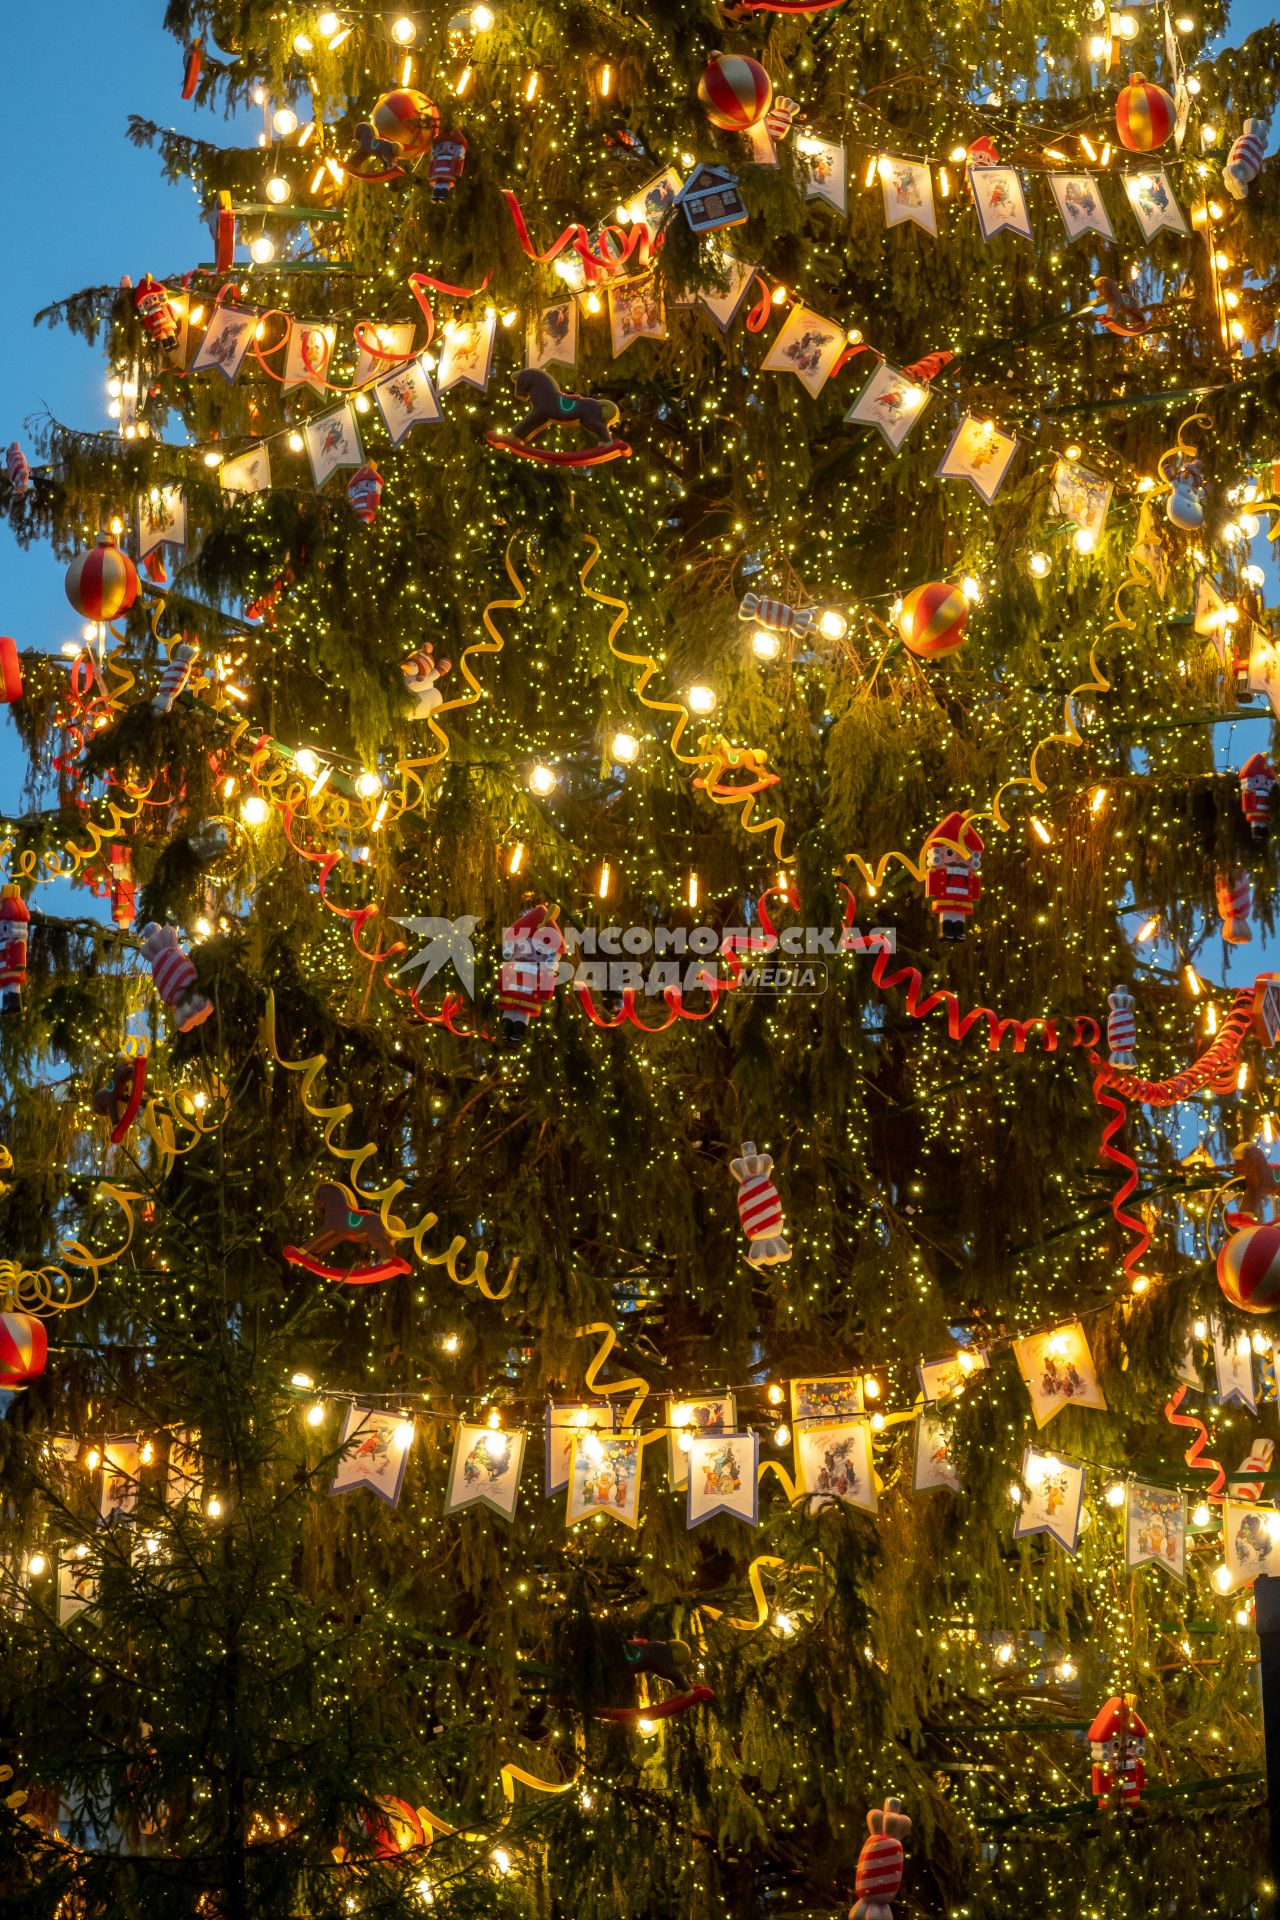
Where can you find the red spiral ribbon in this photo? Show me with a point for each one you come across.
(1128, 1222)
(1194, 1453)
(575, 235)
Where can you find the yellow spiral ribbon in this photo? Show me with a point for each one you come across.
(354, 1158)
(722, 757)
(630, 1383)
(756, 1584)
(494, 644)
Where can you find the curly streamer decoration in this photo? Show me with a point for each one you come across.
(1084, 1029)
(381, 1197)
(357, 917)
(756, 1584)
(722, 758)
(1195, 1454)
(630, 1383)
(1120, 1157)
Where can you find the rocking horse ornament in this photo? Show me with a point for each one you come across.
(548, 407)
(344, 1223)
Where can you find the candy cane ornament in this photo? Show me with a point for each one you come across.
(759, 1208)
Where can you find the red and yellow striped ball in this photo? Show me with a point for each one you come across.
(24, 1349)
(408, 120)
(735, 92)
(931, 620)
(1249, 1268)
(102, 582)
(1145, 115)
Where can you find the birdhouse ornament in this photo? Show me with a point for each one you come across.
(1257, 778)
(1118, 1745)
(880, 1862)
(759, 1208)
(953, 860)
(1244, 160)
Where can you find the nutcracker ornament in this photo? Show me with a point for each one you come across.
(759, 1208)
(448, 158)
(175, 977)
(527, 979)
(1118, 1745)
(421, 672)
(1244, 160)
(1120, 1027)
(1257, 778)
(155, 310)
(879, 1874)
(364, 492)
(124, 900)
(1234, 901)
(15, 917)
(178, 671)
(953, 860)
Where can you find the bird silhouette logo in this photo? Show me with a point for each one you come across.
(445, 943)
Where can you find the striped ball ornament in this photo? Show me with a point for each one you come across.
(735, 92)
(102, 582)
(1249, 1268)
(408, 120)
(1145, 115)
(931, 620)
(24, 1349)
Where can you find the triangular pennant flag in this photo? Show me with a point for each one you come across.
(1053, 1501)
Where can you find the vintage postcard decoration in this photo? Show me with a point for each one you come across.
(333, 441)
(1000, 202)
(605, 1478)
(1081, 496)
(118, 1497)
(825, 167)
(565, 1424)
(892, 403)
(908, 194)
(384, 346)
(979, 453)
(226, 342)
(1233, 1368)
(77, 1584)
(636, 312)
(1250, 1540)
(1054, 1500)
(377, 1452)
(941, 1379)
(724, 307)
(833, 1463)
(466, 357)
(707, 1413)
(723, 1477)
(551, 337)
(827, 1396)
(407, 399)
(307, 356)
(1058, 1370)
(1080, 204)
(1155, 1529)
(162, 519)
(1154, 207)
(933, 1465)
(807, 346)
(248, 472)
(485, 1469)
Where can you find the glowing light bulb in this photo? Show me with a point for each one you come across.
(784, 1623)
(306, 763)
(1085, 540)
(1184, 23)
(253, 810)
(262, 249)
(781, 1434)
(501, 1860)
(542, 779)
(1038, 565)
(296, 443)
(1126, 27)
(213, 1508)
(701, 699)
(624, 748)
(315, 1414)
(302, 1380)
(404, 31)
(303, 43)
(93, 1460)
(481, 19)
(1040, 830)
(1115, 1494)
(402, 1436)
(328, 23)
(285, 121)
(450, 1343)
(1098, 47)
(765, 645)
(871, 1386)
(368, 784)
(1202, 1515)
(776, 1396)
(277, 190)
(36, 1564)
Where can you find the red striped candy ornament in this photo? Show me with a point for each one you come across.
(735, 92)
(102, 582)
(408, 120)
(1145, 115)
(759, 1208)
(931, 620)
(879, 1868)
(1249, 1268)
(24, 1349)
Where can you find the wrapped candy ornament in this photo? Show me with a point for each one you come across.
(776, 616)
(1121, 1032)
(1244, 159)
(953, 860)
(178, 671)
(1257, 779)
(1117, 1745)
(759, 1208)
(175, 977)
(364, 492)
(1234, 901)
(16, 467)
(448, 158)
(879, 1874)
(15, 917)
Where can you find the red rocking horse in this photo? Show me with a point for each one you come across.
(342, 1223)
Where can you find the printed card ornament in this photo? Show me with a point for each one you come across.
(1145, 115)
(364, 491)
(1234, 897)
(1121, 1031)
(879, 1875)
(529, 974)
(1257, 783)
(907, 186)
(448, 158)
(931, 620)
(15, 916)
(24, 1350)
(735, 92)
(102, 582)
(156, 312)
(1244, 159)
(1151, 198)
(953, 862)
(1233, 1368)
(406, 398)
(375, 1452)
(10, 670)
(549, 407)
(344, 1223)
(178, 670)
(1156, 1529)
(759, 1208)
(1249, 1268)
(1117, 1747)
(1080, 203)
(891, 402)
(421, 673)
(485, 1471)
(1053, 1502)
(174, 976)
(15, 462)
(1058, 1370)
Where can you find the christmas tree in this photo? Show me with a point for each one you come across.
(666, 763)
